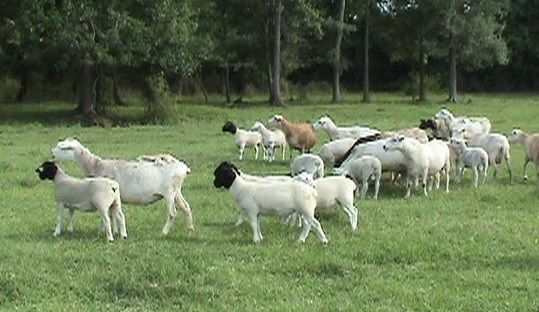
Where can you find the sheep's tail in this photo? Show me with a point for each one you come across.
(362, 140)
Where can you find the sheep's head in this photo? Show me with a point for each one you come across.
(47, 170)
(443, 114)
(394, 143)
(276, 120)
(225, 174)
(305, 177)
(458, 143)
(65, 150)
(323, 123)
(515, 136)
(428, 124)
(230, 127)
(459, 132)
(258, 125)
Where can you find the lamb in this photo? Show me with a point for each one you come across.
(531, 142)
(336, 133)
(415, 133)
(496, 145)
(417, 162)
(472, 125)
(333, 190)
(474, 158)
(271, 140)
(244, 138)
(300, 136)
(309, 163)
(279, 198)
(141, 182)
(361, 170)
(334, 150)
(90, 194)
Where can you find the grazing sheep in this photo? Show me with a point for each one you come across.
(334, 150)
(531, 142)
(474, 158)
(90, 194)
(417, 161)
(271, 140)
(333, 190)
(300, 136)
(336, 133)
(309, 163)
(361, 170)
(279, 198)
(496, 145)
(141, 182)
(471, 125)
(244, 138)
(415, 133)
(440, 129)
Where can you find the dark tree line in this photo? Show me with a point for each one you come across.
(157, 46)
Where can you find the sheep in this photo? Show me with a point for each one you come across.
(300, 136)
(309, 163)
(361, 170)
(417, 162)
(440, 128)
(472, 125)
(496, 145)
(244, 138)
(333, 190)
(336, 133)
(474, 158)
(279, 198)
(90, 194)
(141, 182)
(334, 150)
(416, 133)
(271, 140)
(439, 157)
(531, 142)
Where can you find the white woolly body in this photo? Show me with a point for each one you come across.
(334, 150)
(334, 132)
(393, 160)
(309, 163)
(468, 125)
(361, 169)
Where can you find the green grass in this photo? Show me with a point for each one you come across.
(469, 250)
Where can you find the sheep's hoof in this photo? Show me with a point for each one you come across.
(325, 241)
(124, 237)
(191, 228)
(56, 234)
(526, 178)
(111, 241)
(301, 241)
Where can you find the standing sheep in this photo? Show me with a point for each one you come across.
(90, 194)
(270, 140)
(474, 158)
(300, 136)
(361, 170)
(531, 142)
(244, 138)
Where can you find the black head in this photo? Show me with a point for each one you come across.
(427, 123)
(225, 174)
(230, 127)
(47, 170)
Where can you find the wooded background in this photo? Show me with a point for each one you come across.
(95, 50)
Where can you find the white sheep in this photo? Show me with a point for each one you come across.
(141, 182)
(335, 132)
(471, 125)
(531, 142)
(439, 157)
(496, 145)
(334, 150)
(309, 163)
(362, 169)
(271, 140)
(474, 158)
(333, 190)
(244, 138)
(415, 133)
(417, 161)
(279, 198)
(90, 194)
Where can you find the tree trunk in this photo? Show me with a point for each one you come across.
(276, 60)
(422, 86)
(227, 83)
(453, 96)
(86, 103)
(23, 90)
(366, 91)
(99, 87)
(336, 59)
(116, 88)
(201, 86)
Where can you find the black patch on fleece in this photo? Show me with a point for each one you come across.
(366, 139)
(47, 170)
(230, 127)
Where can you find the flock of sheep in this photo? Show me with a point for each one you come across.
(359, 155)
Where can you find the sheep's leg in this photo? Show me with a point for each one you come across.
(495, 170)
(438, 180)
(376, 186)
(424, 182)
(258, 227)
(120, 218)
(508, 163)
(256, 152)
(184, 205)
(59, 219)
(171, 214)
(526, 161)
(484, 171)
(408, 187)
(106, 223)
(446, 180)
(364, 188)
(351, 211)
(284, 151)
(312, 222)
(242, 148)
(240, 220)
(476, 175)
(70, 220)
(306, 228)
(253, 220)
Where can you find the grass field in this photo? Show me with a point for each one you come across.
(469, 250)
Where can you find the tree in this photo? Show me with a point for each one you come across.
(276, 96)
(337, 53)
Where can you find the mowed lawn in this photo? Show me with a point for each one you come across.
(469, 250)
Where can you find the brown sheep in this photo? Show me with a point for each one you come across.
(415, 133)
(300, 136)
(531, 142)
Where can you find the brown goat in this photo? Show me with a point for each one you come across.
(300, 136)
